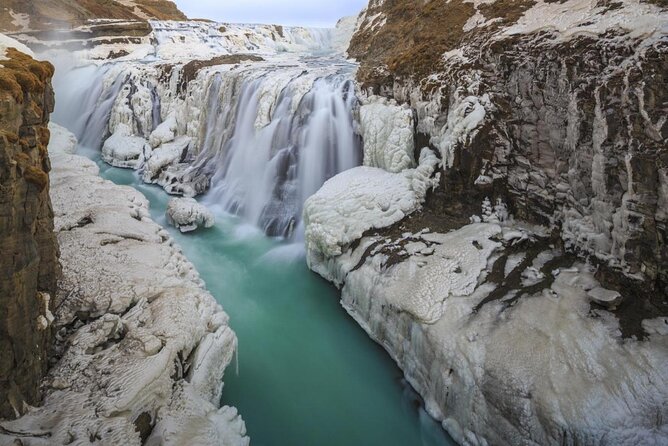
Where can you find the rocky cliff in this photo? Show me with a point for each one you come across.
(556, 108)
(23, 15)
(526, 276)
(29, 261)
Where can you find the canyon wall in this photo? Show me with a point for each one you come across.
(29, 266)
(558, 108)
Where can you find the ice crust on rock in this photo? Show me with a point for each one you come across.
(187, 214)
(387, 131)
(539, 370)
(124, 150)
(364, 198)
(138, 335)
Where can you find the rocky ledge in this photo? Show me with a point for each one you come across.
(141, 346)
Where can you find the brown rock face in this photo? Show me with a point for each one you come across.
(574, 136)
(55, 14)
(29, 266)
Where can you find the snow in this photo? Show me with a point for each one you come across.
(387, 131)
(363, 198)
(187, 214)
(607, 298)
(575, 17)
(7, 42)
(62, 141)
(123, 150)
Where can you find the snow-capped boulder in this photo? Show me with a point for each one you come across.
(187, 214)
(364, 198)
(124, 150)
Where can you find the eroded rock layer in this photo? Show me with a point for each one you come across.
(28, 251)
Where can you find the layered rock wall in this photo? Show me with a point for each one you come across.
(557, 108)
(28, 250)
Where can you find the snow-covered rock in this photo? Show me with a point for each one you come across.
(364, 198)
(502, 364)
(124, 150)
(164, 156)
(387, 130)
(187, 214)
(164, 133)
(62, 141)
(142, 346)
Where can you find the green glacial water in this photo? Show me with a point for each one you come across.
(308, 375)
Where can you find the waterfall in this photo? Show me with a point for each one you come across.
(264, 136)
(266, 174)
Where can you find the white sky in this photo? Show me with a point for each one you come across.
(283, 12)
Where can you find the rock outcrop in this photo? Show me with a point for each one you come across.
(141, 346)
(24, 15)
(558, 108)
(29, 266)
(525, 299)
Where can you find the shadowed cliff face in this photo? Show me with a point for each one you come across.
(573, 133)
(18, 15)
(28, 261)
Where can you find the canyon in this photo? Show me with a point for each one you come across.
(484, 182)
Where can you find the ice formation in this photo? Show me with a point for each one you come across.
(142, 346)
(364, 198)
(387, 131)
(187, 214)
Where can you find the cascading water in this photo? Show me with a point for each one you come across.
(269, 140)
(266, 174)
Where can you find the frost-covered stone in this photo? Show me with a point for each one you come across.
(387, 130)
(363, 198)
(124, 150)
(164, 156)
(187, 214)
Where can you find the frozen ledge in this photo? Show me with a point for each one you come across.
(490, 324)
(141, 345)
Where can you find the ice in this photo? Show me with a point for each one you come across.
(387, 131)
